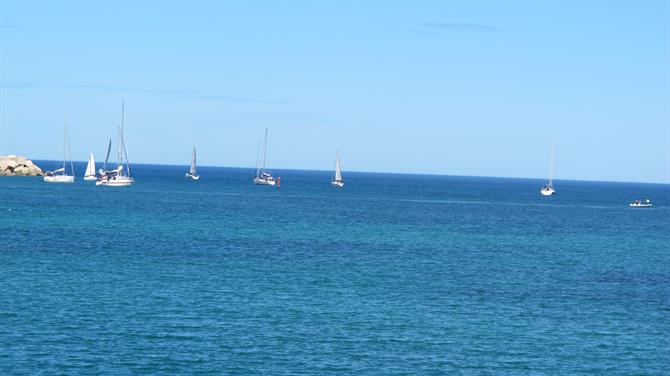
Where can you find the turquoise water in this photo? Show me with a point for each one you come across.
(395, 274)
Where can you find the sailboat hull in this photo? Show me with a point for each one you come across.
(337, 183)
(116, 182)
(192, 176)
(547, 191)
(59, 179)
(90, 178)
(262, 181)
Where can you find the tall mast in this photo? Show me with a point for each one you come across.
(123, 138)
(119, 161)
(193, 161)
(265, 148)
(337, 164)
(69, 151)
(258, 159)
(551, 166)
(338, 167)
(64, 145)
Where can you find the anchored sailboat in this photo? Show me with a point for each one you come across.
(120, 176)
(90, 169)
(641, 204)
(60, 175)
(548, 189)
(192, 174)
(263, 177)
(337, 178)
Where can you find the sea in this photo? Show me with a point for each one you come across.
(394, 274)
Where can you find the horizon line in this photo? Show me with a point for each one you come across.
(390, 173)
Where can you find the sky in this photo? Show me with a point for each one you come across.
(436, 87)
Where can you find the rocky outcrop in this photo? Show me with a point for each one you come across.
(11, 165)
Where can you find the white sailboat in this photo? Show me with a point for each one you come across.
(641, 204)
(90, 169)
(548, 189)
(60, 175)
(192, 174)
(120, 176)
(263, 176)
(337, 178)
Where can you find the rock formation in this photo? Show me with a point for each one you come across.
(11, 165)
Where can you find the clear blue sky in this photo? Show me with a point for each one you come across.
(458, 88)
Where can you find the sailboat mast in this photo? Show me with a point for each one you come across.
(119, 161)
(551, 167)
(258, 159)
(123, 139)
(193, 160)
(69, 151)
(338, 167)
(64, 145)
(265, 148)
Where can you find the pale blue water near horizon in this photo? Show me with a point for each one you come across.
(394, 274)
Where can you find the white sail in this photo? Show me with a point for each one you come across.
(192, 174)
(337, 178)
(90, 167)
(338, 168)
(192, 170)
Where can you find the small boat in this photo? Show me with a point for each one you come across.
(337, 178)
(90, 169)
(120, 176)
(548, 189)
(263, 176)
(192, 174)
(60, 175)
(641, 204)
(115, 178)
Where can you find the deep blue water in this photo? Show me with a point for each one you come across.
(394, 274)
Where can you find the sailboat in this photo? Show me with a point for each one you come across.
(337, 178)
(548, 189)
(263, 177)
(192, 174)
(120, 176)
(60, 175)
(641, 204)
(90, 169)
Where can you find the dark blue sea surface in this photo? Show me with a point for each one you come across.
(394, 274)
